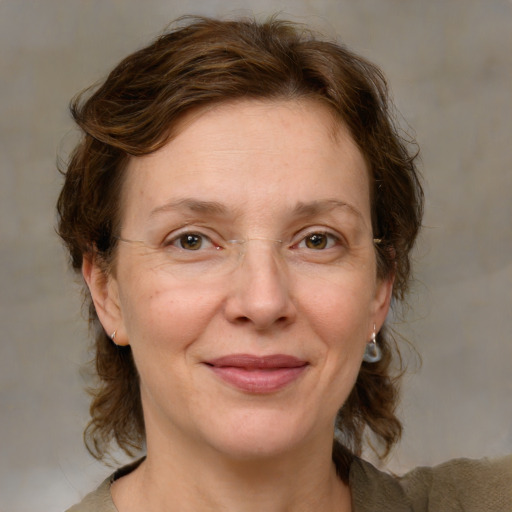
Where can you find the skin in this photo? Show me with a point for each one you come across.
(210, 445)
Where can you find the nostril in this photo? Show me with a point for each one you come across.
(242, 320)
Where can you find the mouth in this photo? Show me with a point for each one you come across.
(258, 375)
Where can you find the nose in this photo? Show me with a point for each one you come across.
(260, 288)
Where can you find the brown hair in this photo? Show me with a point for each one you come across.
(204, 61)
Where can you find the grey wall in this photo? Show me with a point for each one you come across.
(449, 62)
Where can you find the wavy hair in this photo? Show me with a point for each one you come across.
(203, 61)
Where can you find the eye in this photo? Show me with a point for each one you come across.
(318, 241)
(191, 242)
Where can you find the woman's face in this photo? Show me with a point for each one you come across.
(246, 347)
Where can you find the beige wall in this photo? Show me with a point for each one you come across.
(450, 65)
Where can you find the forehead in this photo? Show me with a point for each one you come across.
(246, 122)
(252, 154)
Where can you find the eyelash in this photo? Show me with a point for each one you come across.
(332, 240)
(172, 242)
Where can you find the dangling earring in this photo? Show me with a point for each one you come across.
(113, 337)
(372, 353)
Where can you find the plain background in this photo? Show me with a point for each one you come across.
(449, 63)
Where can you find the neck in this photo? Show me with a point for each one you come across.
(302, 481)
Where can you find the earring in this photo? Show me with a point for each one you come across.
(113, 336)
(373, 352)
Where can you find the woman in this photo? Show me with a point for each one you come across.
(242, 210)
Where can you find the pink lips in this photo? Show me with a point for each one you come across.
(255, 374)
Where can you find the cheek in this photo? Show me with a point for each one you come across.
(339, 316)
(165, 315)
(339, 308)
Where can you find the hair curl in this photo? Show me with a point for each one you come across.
(203, 61)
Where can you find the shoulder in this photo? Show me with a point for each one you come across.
(463, 484)
(100, 500)
(460, 485)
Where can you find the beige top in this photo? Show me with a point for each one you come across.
(460, 485)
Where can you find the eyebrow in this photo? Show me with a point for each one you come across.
(308, 209)
(194, 205)
(313, 208)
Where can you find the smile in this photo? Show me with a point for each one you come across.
(258, 375)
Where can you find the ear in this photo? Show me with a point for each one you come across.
(105, 296)
(382, 302)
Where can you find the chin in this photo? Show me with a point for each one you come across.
(258, 435)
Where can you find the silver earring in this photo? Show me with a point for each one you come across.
(372, 353)
(113, 336)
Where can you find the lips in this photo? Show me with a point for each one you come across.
(259, 375)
